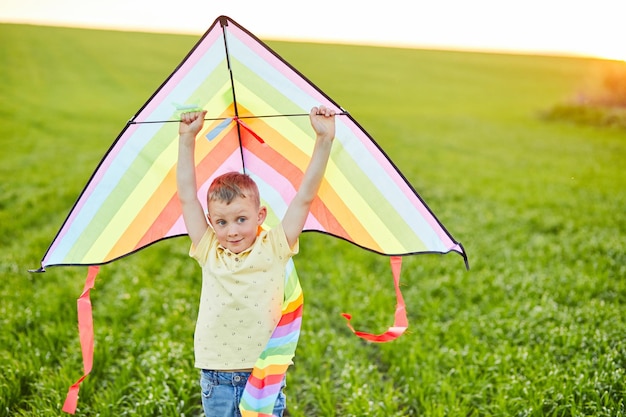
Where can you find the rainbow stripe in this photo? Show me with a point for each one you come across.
(265, 381)
(130, 201)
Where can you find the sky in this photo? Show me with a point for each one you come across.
(570, 27)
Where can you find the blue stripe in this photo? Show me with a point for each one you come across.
(218, 129)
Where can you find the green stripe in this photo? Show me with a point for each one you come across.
(278, 351)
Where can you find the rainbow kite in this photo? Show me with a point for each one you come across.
(257, 107)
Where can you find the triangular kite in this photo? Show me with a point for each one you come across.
(257, 107)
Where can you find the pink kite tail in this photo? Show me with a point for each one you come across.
(85, 332)
(401, 322)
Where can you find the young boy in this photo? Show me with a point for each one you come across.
(242, 269)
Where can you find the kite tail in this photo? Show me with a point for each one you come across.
(85, 332)
(400, 323)
(264, 383)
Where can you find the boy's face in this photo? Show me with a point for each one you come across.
(236, 224)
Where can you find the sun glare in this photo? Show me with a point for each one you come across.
(596, 31)
(615, 51)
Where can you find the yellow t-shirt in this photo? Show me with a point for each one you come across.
(241, 299)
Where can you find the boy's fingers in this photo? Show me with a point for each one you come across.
(322, 111)
(198, 115)
(190, 117)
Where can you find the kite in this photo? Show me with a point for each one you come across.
(257, 106)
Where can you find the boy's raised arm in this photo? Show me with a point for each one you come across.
(193, 213)
(323, 122)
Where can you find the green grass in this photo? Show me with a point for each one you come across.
(535, 328)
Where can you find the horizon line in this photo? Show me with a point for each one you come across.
(331, 41)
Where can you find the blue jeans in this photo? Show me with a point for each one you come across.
(222, 391)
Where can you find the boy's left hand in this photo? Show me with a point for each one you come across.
(323, 121)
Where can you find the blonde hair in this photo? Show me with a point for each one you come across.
(231, 185)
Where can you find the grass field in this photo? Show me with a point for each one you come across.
(535, 328)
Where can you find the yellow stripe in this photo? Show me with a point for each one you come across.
(293, 305)
(261, 372)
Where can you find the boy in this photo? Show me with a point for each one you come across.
(242, 269)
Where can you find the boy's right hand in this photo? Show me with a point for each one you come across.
(191, 123)
(323, 121)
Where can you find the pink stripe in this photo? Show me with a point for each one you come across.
(232, 163)
(178, 228)
(279, 183)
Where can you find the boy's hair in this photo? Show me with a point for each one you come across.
(231, 185)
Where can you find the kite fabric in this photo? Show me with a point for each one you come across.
(130, 201)
(257, 122)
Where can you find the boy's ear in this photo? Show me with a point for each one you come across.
(262, 215)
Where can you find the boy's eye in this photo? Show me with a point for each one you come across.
(241, 219)
(221, 222)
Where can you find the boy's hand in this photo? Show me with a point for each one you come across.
(323, 121)
(191, 123)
